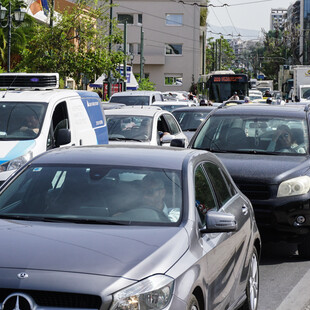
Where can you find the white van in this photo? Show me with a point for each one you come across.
(35, 116)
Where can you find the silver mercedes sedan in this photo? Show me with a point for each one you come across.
(127, 228)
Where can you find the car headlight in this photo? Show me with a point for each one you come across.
(152, 293)
(293, 187)
(16, 162)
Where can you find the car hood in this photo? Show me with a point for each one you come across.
(129, 251)
(270, 169)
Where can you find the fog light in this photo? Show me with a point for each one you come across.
(300, 220)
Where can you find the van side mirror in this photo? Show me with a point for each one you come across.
(63, 136)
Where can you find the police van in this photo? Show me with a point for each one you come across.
(36, 116)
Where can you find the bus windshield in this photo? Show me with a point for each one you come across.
(222, 86)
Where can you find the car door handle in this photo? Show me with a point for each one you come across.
(245, 210)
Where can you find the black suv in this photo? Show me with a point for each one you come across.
(266, 150)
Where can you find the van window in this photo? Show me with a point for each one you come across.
(59, 120)
(21, 120)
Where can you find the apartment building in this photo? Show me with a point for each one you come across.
(172, 42)
(277, 19)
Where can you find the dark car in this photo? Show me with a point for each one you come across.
(266, 151)
(127, 228)
(190, 118)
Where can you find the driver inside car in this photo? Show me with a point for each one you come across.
(284, 141)
(154, 197)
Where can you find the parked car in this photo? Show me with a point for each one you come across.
(136, 97)
(266, 150)
(108, 106)
(109, 227)
(191, 117)
(143, 125)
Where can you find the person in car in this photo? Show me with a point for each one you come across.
(284, 141)
(154, 197)
(234, 96)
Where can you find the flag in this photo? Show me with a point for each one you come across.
(39, 5)
(35, 7)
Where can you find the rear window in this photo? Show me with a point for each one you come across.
(131, 100)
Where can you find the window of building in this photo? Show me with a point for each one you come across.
(121, 18)
(139, 18)
(173, 49)
(173, 80)
(174, 19)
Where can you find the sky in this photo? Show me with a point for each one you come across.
(242, 14)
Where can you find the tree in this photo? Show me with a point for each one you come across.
(19, 36)
(145, 84)
(77, 45)
(219, 54)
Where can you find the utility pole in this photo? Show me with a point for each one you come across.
(220, 54)
(203, 53)
(125, 56)
(110, 49)
(52, 14)
(141, 56)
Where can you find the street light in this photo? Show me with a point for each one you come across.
(19, 15)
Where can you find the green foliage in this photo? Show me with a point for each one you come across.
(20, 35)
(75, 46)
(219, 54)
(145, 84)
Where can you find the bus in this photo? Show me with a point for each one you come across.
(219, 86)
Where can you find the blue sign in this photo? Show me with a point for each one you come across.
(260, 77)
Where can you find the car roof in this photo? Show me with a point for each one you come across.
(136, 93)
(195, 109)
(121, 155)
(141, 111)
(262, 109)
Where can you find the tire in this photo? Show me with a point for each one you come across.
(304, 249)
(252, 288)
(193, 304)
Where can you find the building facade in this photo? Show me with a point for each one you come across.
(168, 35)
(277, 19)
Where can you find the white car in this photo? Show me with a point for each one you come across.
(171, 105)
(146, 124)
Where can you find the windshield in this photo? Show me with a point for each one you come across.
(190, 120)
(170, 107)
(253, 134)
(21, 120)
(131, 100)
(95, 194)
(129, 127)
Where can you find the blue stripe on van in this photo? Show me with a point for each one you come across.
(92, 104)
(21, 148)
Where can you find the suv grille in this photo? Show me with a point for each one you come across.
(254, 191)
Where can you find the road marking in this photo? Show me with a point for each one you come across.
(299, 297)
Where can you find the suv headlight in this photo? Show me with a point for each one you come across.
(293, 187)
(16, 162)
(152, 293)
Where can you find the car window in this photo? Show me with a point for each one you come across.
(223, 187)
(129, 127)
(97, 193)
(260, 134)
(204, 196)
(172, 124)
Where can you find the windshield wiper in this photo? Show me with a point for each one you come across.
(61, 219)
(124, 139)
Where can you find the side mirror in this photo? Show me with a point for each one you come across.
(63, 136)
(177, 143)
(219, 222)
(167, 138)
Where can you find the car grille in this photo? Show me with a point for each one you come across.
(254, 190)
(57, 299)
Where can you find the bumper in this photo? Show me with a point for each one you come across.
(286, 218)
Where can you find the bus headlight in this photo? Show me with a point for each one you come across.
(295, 186)
(152, 293)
